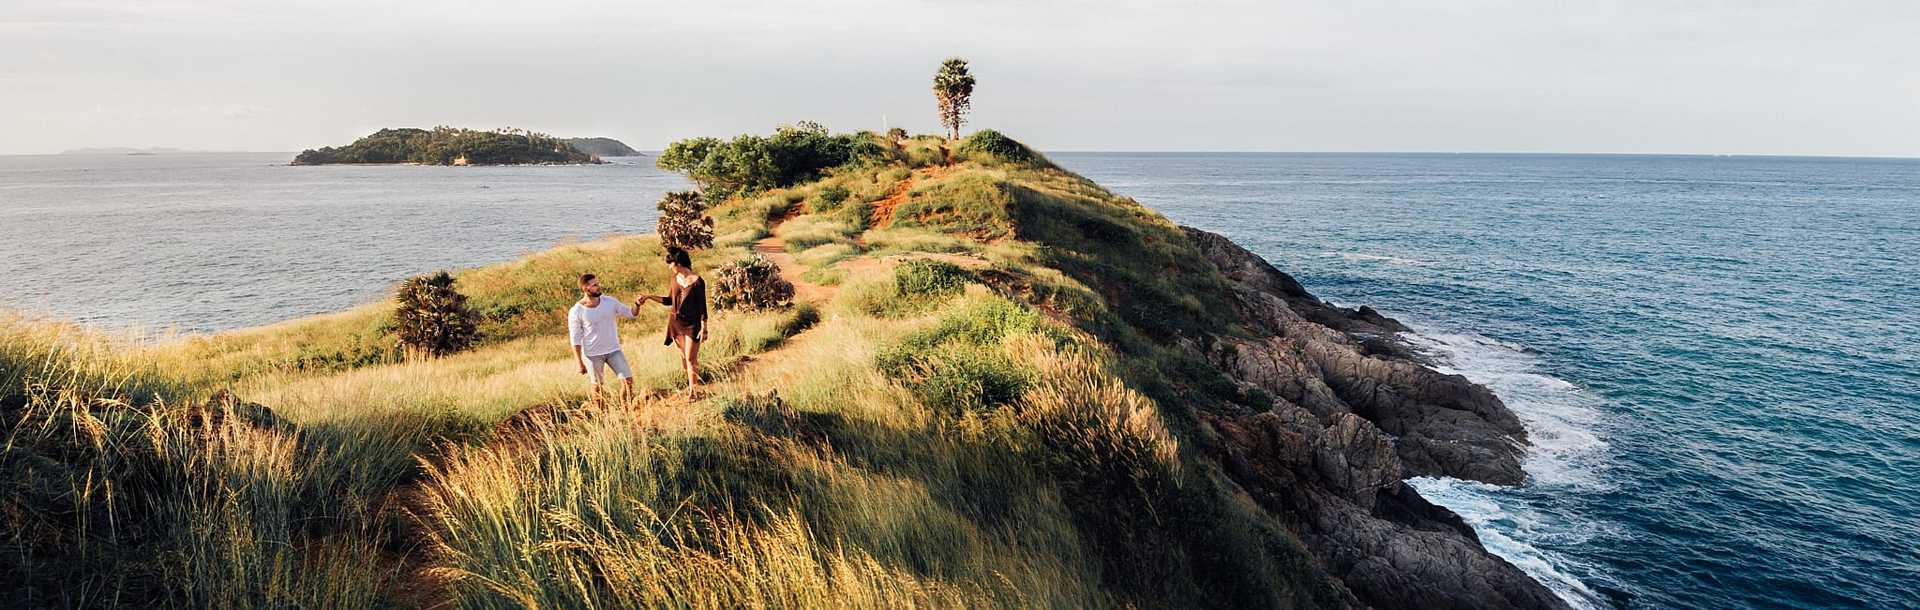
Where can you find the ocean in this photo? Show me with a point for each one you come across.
(1715, 356)
(184, 243)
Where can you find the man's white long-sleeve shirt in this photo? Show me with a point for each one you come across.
(593, 328)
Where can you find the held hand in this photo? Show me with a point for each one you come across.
(702, 337)
(583, 367)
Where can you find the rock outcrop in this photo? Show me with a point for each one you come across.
(1355, 411)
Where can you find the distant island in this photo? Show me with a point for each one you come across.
(603, 147)
(450, 146)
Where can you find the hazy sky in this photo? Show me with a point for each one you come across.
(1829, 77)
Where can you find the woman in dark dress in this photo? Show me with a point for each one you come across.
(687, 324)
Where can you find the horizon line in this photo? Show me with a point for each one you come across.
(1155, 151)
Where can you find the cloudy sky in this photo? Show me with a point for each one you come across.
(1698, 76)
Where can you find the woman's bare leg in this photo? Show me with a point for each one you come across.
(688, 351)
(693, 363)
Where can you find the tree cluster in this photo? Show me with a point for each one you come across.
(749, 163)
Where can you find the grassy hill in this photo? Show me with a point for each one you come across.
(981, 401)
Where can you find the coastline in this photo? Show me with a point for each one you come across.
(1314, 413)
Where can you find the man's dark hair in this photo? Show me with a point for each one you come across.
(584, 278)
(679, 257)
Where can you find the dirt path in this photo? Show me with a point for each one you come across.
(883, 209)
(882, 215)
(775, 249)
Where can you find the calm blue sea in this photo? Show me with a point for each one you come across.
(209, 241)
(1716, 357)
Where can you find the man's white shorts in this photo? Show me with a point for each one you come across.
(613, 360)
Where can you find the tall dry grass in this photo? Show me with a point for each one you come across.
(912, 444)
(122, 493)
(612, 517)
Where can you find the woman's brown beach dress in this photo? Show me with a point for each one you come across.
(689, 305)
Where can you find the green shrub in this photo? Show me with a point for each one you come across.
(432, 318)
(990, 145)
(917, 286)
(829, 197)
(929, 277)
(750, 283)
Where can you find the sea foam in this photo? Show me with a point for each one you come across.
(1566, 451)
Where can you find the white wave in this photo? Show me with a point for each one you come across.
(1561, 418)
(1567, 452)
(1509, 529)
(1374, 258)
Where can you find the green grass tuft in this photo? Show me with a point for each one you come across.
(922, 277)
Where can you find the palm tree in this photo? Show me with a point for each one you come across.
(953, 89)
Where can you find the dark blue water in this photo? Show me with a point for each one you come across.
(1716, 357)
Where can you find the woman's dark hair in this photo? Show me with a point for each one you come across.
(679, 257)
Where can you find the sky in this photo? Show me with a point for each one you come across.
(1677, 76)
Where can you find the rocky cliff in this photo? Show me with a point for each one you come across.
(1356, 410)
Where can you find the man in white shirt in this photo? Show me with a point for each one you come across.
(593, 330)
